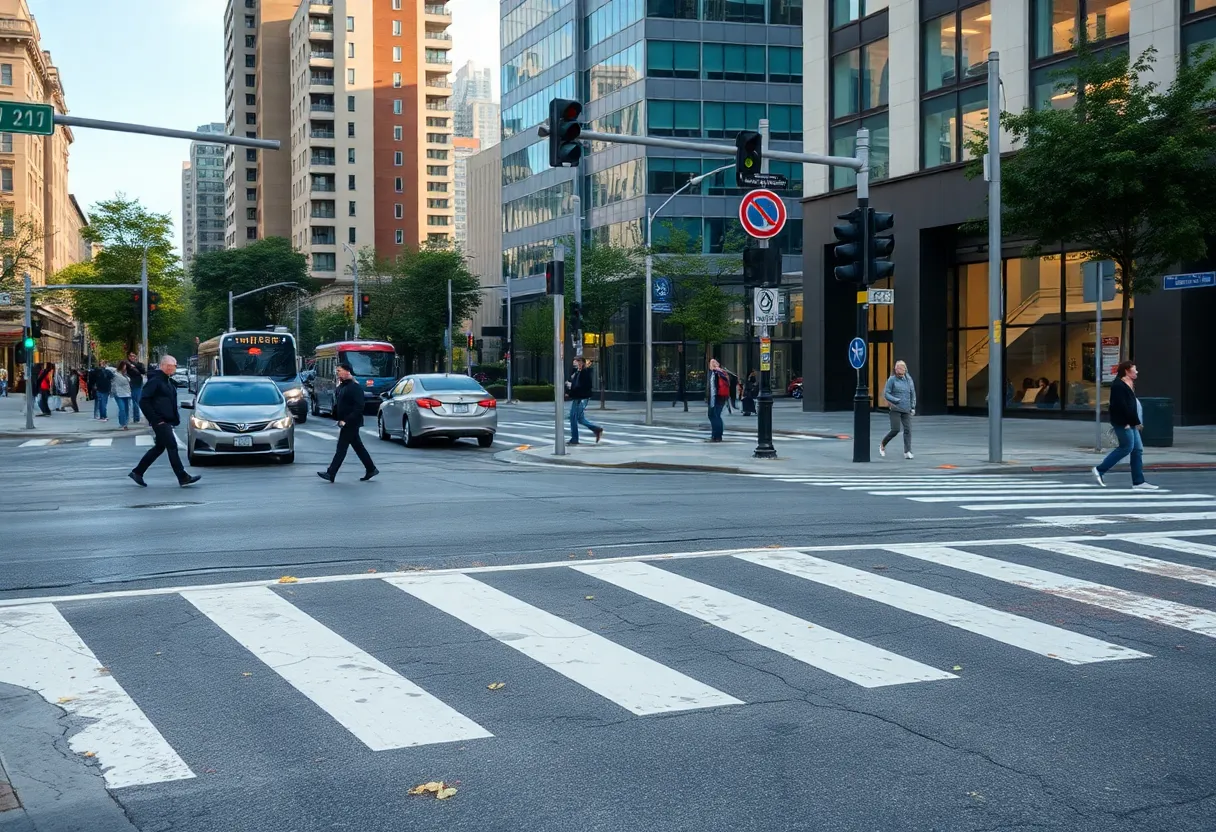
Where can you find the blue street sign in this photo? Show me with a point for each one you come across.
(661, 291)
(1189, 281)
(857, 353)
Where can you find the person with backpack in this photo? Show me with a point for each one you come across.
(718, 387)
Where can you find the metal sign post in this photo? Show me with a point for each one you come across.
(559, 311)
(861, 396)
(29, 358)
(996, 312)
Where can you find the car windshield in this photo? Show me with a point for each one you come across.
(450, 384)
(369, 364)
(229, 393)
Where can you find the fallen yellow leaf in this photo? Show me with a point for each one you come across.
(90, 753)
(444, 794)
(64, 699)
(103, 670)
(287, 579)
(958, 667)
(246, 674)
(496, 685)
(589, 597)
(433, 786)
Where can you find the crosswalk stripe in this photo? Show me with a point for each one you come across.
(317, 434)
(40, 650)
(605, 441)
(1093, 496)
(832, 652)
(100, 443)
(367, 697)
(884, 478)
(1044, 639)
(144, 441)
(961, 495)
(1138, 503)
(538, 440)
(36, 443)
(636, 683)
(178, 440)
(1157, 610)
(1187, 546)
(1116, 517)
(1136, 563)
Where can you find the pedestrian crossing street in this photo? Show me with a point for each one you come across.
(368, 651)
(1050, 501)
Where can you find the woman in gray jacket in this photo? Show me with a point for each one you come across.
(900, 394)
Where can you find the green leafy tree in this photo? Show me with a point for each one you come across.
(322, 326)
(238, 270)
(702, 307)
(612, 279)
(534, 333)
(20, 251)
(1126, 173)
(125, 229)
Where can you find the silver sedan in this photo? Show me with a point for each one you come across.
(239, 415)
(437, 405)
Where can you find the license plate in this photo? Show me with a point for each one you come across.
(460, 408)
(242, 441)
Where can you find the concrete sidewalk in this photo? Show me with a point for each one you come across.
(939, 442)
(61, 425)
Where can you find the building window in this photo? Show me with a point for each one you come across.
(250, 61)
(433, 220)
(251, 174)
(396, 54)
(397, 132)
(733, 62)
(860, 80)
(350, 23)
(398, 158)
(6, 75)
(251, 233)
(955, 54)
(735, 11)
(846, 11)
(397, 80)
(397, 27)
(785, 12)
(251, 41)
(350, 208)
(785, 122)
(1199, 33)
(723, 119)
(350, 50)
(396, 106)
(251, 118)
(251, 100)
(350, 155)
(673, 59)
(399, 237)
(350, 103)
(327, 262)
(6, 142)
(785, 64)
(350, 235)
(399, 185)
(1055, 23)
(251, 194)
(350, 77)
(251, 214)
(6, 180)
(398, 210)
(250, 22)
(843, 142)
(350, 129)
(251, 155)
(673, 118)
(396, 5)
(251, 80)
(609, 19)
(350, 182)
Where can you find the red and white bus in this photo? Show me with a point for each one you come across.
(374, 364)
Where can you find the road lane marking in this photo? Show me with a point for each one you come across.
(1136, 563)
(1113, 517)
(832, 652)
(37, 443)
(317, 434)
(1174, 544)
(367, 697)
(100, 443)
(1005, 627)
(39, 650)
(1099, 496)
(636, 683)
(1169, 613)
(144, 441)
(1139, 502)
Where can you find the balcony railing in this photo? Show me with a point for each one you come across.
(322, 240)
(317, 53)
(324, 215)
(435, 106)
(438, 36)
(324, 187)
(322, 108)
(432, 9)
(320, 2)
(327, 28)
(321, 80)
(321, 134)
(320, 159)
(431, 59)
(435, 82)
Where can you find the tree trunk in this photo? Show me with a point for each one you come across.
(1126, 327)
(603, 375)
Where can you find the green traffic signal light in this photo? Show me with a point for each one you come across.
(28, 343)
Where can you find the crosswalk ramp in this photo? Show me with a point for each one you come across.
(1049, 501)
(411, 659)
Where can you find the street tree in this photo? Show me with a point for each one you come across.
(534, 333)
(702, 307)
(322, 326)
(1126, 172)
(125, 229)
(21, 251)
(238, 270)
(612, 280)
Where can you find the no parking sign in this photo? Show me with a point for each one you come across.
(762, 214)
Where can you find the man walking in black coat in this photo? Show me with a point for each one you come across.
(159, 404)
(349, 403)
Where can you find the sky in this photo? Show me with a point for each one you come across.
(161, 62)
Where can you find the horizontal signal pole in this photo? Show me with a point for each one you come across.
(165, 132)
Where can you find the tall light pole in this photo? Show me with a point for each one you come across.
(650, 215)
(996, 375)
(232, 297)
(354, 268)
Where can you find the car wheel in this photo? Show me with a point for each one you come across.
(407, 435)
(312, 405)
(380, 429)
(288, 458)
(485, 441)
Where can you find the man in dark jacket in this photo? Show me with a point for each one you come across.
(579, 390)
(159, 404)
(100, 378)
(349, 403)
(136, 373)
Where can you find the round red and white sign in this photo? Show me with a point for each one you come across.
(762, 214)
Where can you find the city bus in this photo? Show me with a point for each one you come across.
(374, 364)
(267, 353)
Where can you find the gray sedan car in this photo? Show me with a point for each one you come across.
(437, 405)
(240, 416)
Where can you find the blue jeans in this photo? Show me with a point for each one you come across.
(124, 405)
(4, 388)
(1129, 443)
(99, 405)
(578, 415)
(715, 420)
(136, 392)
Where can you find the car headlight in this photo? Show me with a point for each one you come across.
(203, 424)
(294, 393)
(283, 423)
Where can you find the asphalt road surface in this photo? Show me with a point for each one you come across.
(911, 652)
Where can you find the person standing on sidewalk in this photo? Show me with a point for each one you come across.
(159, 404)
(45, 385)
(135, 373)
(1127, 419)
(120, 389)
(900, 394)
(3, 383)
(717, 383)
(349, 404)
(71, 381)
(101, 389)
(751, 391)
(579, 389)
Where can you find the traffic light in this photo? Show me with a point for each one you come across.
(153, 302)
(880, 247)
(747, 155)
(761, 266)
(576, 316)
(34, 333)
(851, 252)
(348, 304)
(365, 304)
(19, 354)
(564, 130)
(470, 339)
(555, 277)
(137, 299)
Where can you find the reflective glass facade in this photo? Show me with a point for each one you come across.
(535, 108)
(614, 73)
(535, 59)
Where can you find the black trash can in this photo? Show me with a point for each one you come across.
(1158, 430)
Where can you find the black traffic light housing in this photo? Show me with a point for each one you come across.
(469, 336)
(880, 247)
(748, 155)
(564, 130)
(365, 304)
(153, 302)
(34, 333)
(850, 254)
(555, 277)
(576, 316)
(761, 266)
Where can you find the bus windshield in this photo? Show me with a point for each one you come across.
(270, 356)
(369, 364)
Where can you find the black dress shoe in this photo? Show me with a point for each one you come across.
(369, 475)
(325, 475)
(138, 479)
(191, 480)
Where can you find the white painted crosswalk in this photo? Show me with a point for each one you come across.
(389, 697)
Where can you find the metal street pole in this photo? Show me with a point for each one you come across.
(165, 132)
(996, 374)
(861, 398)
(143, 294)
(578, 269)
(230, 327)
(1098, 366)
(510, 346)
(448, 334)
(354, 268)
(559, 310)
(29, 357)
(764, 412)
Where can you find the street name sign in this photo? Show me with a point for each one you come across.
(881, 297)
(1189, 281)
(774, 181)
(23, 117)
(766, 307)
(762, 214)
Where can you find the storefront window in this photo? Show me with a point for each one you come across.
(1033, 355)
(1081, 345)
(1078, 306)
(973, 295)
(1032, 291)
